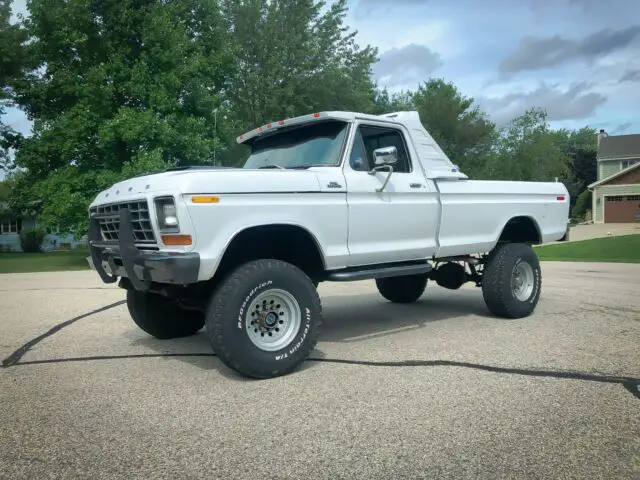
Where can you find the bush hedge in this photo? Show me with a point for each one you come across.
(31, 240)
(583, 204)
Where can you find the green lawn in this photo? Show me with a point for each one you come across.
(43, 262)
(621, 249)
(624, 248)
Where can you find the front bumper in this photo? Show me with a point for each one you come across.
(140, 267)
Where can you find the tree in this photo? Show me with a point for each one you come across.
(12, 64)
(292, 59)
(582, 205)
(119, 87)
(581, 148)
(461, 129)
(383, 102)
(528, 150)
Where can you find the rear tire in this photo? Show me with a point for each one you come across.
(162, 317)
(264, 318)
(404, 289)
(512, 281)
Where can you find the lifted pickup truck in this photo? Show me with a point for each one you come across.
(330, 196)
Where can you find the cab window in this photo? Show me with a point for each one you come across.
(369, 138)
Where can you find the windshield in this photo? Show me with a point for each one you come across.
(315, 144)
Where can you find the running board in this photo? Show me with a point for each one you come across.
(378, 271)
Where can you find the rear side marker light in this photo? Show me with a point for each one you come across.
(177, 240)
(560, 198)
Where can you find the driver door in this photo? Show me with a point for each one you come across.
(398, 223)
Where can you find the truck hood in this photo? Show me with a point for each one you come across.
(215, 181)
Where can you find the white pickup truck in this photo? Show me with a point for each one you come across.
(330, 196)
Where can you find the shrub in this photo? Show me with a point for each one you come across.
(30, 240)
(583, 203)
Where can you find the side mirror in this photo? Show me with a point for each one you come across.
(385, 156)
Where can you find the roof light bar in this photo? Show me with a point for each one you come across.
(274, 125)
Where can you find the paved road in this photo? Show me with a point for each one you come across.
(156, 416)
(600, 230)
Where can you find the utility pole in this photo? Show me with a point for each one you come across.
(215, 134)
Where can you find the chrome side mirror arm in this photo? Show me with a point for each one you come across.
(386, 180)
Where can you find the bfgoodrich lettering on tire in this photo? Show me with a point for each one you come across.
(264, 318)
(512, 281)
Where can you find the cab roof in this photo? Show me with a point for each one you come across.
(319, 116)
(434, 162)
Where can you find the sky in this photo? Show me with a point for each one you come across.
(578, 59)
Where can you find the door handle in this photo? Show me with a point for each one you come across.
(416, 185)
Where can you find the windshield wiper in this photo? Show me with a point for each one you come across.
(271, 165)
(303, 167)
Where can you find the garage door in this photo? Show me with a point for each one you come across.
(622, 209)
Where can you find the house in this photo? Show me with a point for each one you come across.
(11, 225)
(10, 228)
(616, 193)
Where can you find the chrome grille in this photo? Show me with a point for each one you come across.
(140, 221)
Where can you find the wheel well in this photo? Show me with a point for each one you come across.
(521, 230)
(289, 243)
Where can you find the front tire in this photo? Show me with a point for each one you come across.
(512, 281)
(404, 289)
(162, 317)
(264, 318)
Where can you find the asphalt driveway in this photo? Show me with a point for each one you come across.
(438, 389)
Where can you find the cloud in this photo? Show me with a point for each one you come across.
(576, 102)
(620, 129)
(535, 53)
(631, 76)
(412, 63)
(365, 8)
(18, 7)
(17, 120)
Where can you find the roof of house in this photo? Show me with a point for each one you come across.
(615, 175)
(618, 146)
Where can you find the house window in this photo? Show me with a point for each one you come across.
(628, 163)
(9, 227)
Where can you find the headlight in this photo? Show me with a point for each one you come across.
(167, 215)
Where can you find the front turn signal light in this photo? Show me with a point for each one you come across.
(205, 199)
(177, 240)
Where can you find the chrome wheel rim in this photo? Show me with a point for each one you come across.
(273, 320)
(522, 281)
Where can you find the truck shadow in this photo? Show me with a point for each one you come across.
(361, 317)
(347, 319)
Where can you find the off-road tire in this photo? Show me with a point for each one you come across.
(233, 301)
(497, 288)
(162, 317)
(404, 289)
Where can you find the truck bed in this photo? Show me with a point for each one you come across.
(474, 212)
